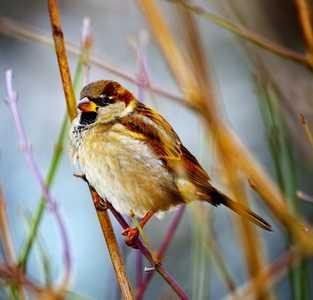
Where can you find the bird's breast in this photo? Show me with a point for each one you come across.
(125, 171)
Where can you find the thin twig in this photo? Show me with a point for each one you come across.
(170, 232)
(27, 152)
(15, 275)
(143, 236)
(56, 157)
(72, 111)
(115, 255)
(268, 277)
(86, 45)
(159, 254)
(203, 97)
(307, 31)
(62, 59)
(159, 267)
(32, 34)
(304, 196)
(141, 55)
(112, 245)
(244, 33)
(307, 130)
(212, 247)
(7, 243)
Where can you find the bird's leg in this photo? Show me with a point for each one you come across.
(134, 232)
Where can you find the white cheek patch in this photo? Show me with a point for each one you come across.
(108, 113)
(130, 107)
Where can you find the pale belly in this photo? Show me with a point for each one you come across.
(126, 173)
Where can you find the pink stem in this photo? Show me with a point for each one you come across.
(159, 268)
(27, 151)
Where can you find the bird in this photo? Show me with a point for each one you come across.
(132, 157)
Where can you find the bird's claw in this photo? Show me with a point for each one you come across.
(131, 233)
(99, 203)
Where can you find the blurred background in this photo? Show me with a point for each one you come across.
(261, 96)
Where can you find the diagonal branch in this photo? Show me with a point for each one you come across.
(307, 30)
(244, 33)
(72, 111)
(226, 139)
(159, 267)
(62, 59)
(34, 35)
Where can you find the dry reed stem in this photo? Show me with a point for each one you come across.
(62, 59)
(307, 130)
(14, 275)
(246, 34)
(177, 63)
(307, 31)
(274, 200)
(31, 34)
(253, 254)
(227, 140)
(212, 247)
(115, 254)
(6, 237)
(271, 275)
(104, 219)
(267, 198)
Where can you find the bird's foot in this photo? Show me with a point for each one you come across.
(99, 203)
(131, 233)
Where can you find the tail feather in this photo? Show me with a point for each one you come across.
(219, 198)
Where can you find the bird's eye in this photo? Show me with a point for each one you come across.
(103, 100)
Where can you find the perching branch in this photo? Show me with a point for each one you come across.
(62, 59)
(159, 267)
(72, 111)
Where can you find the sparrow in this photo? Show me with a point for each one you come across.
(134, 159)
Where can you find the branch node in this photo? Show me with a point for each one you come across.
(81, 176)
(150, 269)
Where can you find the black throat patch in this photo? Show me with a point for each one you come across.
(87, 118)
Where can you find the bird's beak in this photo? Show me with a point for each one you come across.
(86, 105)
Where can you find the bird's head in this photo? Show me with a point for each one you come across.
(103, 101)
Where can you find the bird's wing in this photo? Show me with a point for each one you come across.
(159, 136)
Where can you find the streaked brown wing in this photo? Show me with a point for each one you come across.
(189, 168)
(163, 140)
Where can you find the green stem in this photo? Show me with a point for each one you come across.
(144, 237)
(41, 204)
(281, 150)
(55, 162)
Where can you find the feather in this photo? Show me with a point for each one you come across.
(161, 138)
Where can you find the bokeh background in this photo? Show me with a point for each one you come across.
(42, 107)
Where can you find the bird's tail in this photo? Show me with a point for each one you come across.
(219, 198)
